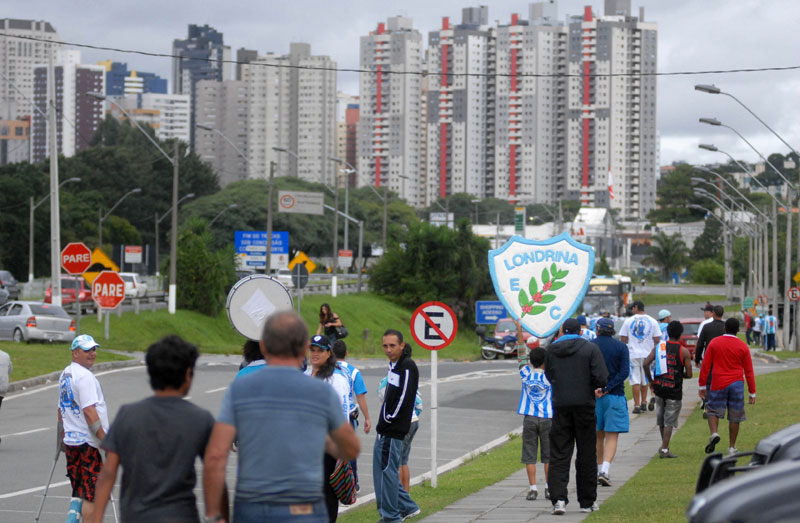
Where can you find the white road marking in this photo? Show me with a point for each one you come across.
(216, 390)
(477, 375)
(54, 385)
(34, 489)
(26, 432)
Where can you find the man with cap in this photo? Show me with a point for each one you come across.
(641, 333)
(708, 315)
(612, 407)
(82, 425)
(586, 332)
(577, 372)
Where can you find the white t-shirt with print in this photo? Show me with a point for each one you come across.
(341, 386)
(640, 330)
(77, 389)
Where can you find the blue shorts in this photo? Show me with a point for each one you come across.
(612, 413)
(412, 430)
(732, 398)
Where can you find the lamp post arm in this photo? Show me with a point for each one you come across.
(760, 155)
(754, 178)
(238, 151)
(767, 218)
(779, 137)
(118, 202)
(376, 192)
(126, 113)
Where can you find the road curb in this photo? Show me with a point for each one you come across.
(21, 385)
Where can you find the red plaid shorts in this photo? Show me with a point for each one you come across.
(83, 466)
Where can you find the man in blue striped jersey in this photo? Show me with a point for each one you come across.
(535, 403)
(611, 408)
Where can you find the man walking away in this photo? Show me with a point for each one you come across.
(668, 385)
(642, 334)
(708, 317)
(535, 403)
(358, 395)
(757, 324)
(394, 502)
(732, 364)
(5, 373)
(82, 423)
(611, 408)
(284, 422)
(577, 372)
(770, 327)
(748, 326)
(712, 329)
(157, 441)
(586, 333)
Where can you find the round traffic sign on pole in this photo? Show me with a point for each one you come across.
(76, 258)
(793, 294)
(434, 325)
(108, 290)
(299, 275)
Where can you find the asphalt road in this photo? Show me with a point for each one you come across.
(477, 404)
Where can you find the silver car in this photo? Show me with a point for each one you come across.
(31, 320)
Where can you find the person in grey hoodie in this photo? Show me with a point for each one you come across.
(577, 371)
(5, 372)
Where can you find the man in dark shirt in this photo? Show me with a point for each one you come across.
(611, 408)
(577, 372)
(711, 330)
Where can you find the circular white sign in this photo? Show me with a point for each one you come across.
(251, 300)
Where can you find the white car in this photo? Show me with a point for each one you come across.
(134, 287)
(284, 276)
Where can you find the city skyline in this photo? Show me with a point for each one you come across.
(689, 40)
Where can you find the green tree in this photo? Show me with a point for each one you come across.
(709, 244)
(667, 252)
(437, 263)
(602, 266)
(203, 274)
(708, 271)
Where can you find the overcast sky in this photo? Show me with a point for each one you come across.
(694, 35)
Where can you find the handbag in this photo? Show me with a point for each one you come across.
(341, 332)
(343, 482)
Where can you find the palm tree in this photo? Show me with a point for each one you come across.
(667, 252)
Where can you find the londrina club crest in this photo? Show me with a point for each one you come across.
(541, 283)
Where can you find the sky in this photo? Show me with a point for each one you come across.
(693, 35)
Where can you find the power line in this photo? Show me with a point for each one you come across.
(408, 73)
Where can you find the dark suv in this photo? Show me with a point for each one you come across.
(8, 282)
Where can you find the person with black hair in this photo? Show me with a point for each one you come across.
(358, 394)
(253, 359)
(577, 372)
(156, 441)
(328, 322)
(668, 385)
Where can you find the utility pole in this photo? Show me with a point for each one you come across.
(385, 217)
(269, 216)
(173, 248)
(55, 219)
(335, 268)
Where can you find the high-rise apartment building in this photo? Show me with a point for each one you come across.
(347, 111)
(17, 58)
(612, 109)
(201, 56)
(390, 128)
(120, 80)
(292, 105)
(78, 116)
(459, 102)
(167, 114)
(14, 140)
(222, 106)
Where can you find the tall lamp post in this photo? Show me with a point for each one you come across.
(173, 248)
(476, 202)
(220, 213)
(350, 170)
(385, 200)
(102, 217)
(30, 226)
(158, 221)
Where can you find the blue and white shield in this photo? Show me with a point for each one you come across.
(541, 283)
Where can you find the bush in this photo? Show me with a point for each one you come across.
(707, 271)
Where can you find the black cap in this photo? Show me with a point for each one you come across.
(571, 326)
(708, 308)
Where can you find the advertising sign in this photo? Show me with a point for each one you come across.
(301, 202)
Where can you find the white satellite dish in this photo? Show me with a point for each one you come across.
(252, 299)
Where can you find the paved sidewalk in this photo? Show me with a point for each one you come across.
(505, 500)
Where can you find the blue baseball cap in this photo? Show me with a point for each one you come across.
(582, 319)
(84, 342)
(664, 313)
(321, 341)
(605, 324)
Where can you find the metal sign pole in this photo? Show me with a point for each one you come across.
(434, 413)
(106, 329)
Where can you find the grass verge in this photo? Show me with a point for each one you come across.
(35, 359)
(785, 354)
(669, 299)
(648, 497)
(480, 472)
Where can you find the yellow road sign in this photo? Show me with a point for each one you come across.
(796, 278)
(100, 263)
(305, 260)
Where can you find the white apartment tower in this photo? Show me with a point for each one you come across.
(292, 105)
(222, 106)
(18, 57)
(612, 110)
(167, 114)
(390, 127)
(459, 102)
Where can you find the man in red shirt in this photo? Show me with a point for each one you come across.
(732, 364)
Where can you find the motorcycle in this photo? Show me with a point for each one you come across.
(492, 347)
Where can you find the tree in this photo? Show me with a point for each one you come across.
(709, 244)
(667, 252)
(708, 271)
(602, 266)
(437, 263)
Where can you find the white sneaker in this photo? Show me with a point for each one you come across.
(732, 451)
(594, 507)
(559, 508)
(412, 514)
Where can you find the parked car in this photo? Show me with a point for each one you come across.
(30, 320)
(3, 296)
(71, 286)
(134, 287)
(10, 284)
(285, 277)
(689, 336)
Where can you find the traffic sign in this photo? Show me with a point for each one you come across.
(763, 300)
(345, 258)
(303, 259)
(299, 276)
(488, 312)
(76, 258)
(434, 325)
(793, 294)
(748, 302)
(108, 290)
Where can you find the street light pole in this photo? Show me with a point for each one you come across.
(159, 220)
(33, 207)
(55, 218)
(101, 218)
(231, 206)
(335, 237)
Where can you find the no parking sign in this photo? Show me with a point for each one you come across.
(434, 325)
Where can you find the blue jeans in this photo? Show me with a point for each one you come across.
(258, 512)
(392, 499)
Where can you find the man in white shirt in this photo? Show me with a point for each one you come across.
(642, 334)
(708, 314)
(82, 424)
